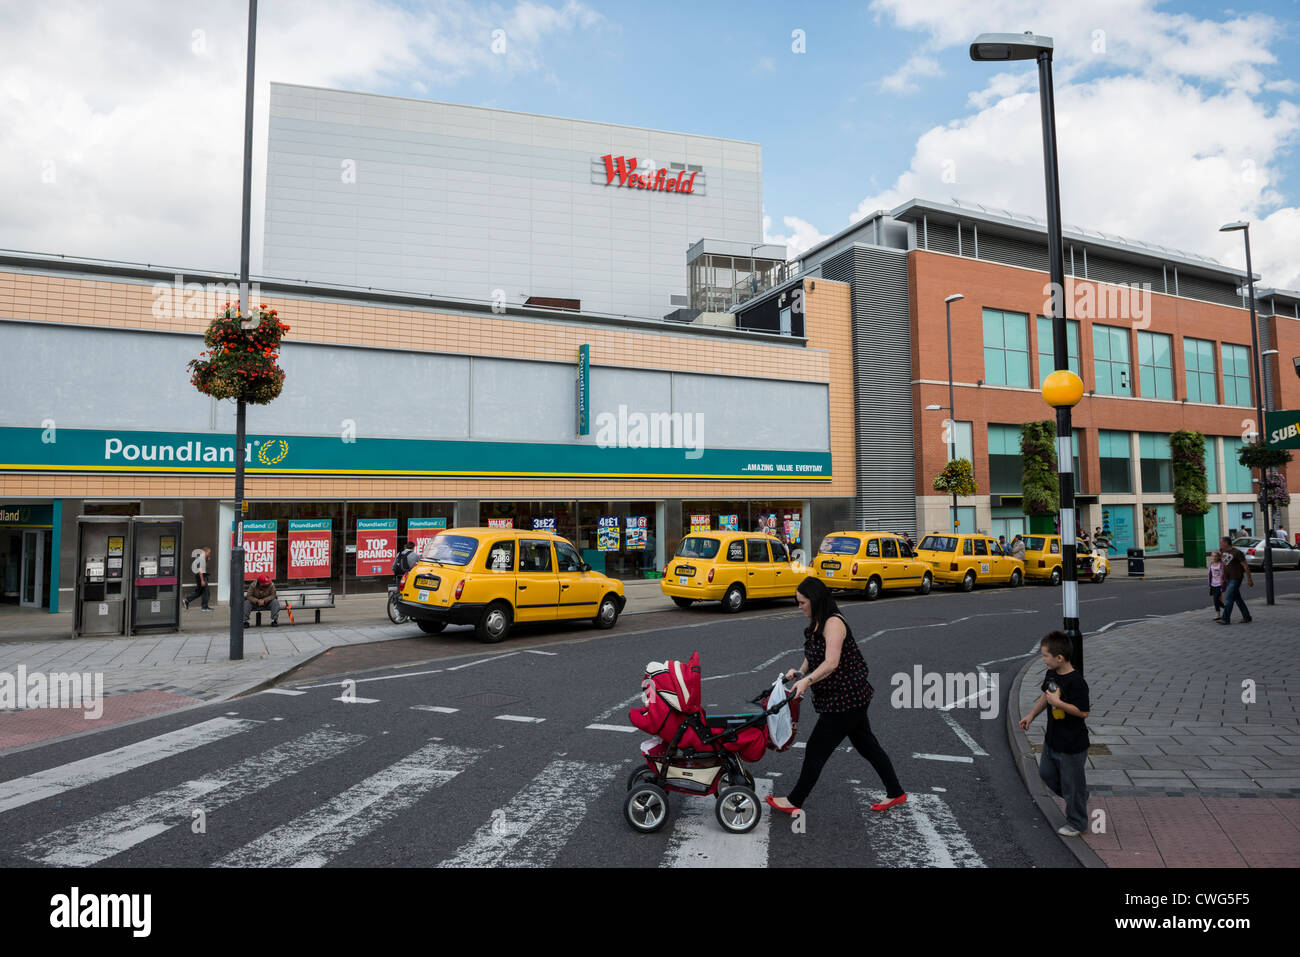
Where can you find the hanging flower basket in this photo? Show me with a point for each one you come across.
(957, 478)
(241, 363)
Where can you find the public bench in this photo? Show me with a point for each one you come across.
(300, 597)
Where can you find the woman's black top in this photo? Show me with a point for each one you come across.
(845, 688)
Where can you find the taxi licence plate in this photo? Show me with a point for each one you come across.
(683, 580)
(830, 572)
(424, 596)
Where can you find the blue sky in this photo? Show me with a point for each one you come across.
(1174, 117)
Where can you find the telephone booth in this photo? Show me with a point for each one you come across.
(156, 584)
(103, 566)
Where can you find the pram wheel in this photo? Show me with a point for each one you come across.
(738, 809)
(646, 807)
(638, 775)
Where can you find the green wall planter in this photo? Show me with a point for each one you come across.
(1193, 541)
(1042, 524)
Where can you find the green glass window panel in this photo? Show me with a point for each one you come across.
(1016, 333)
(1018, 369)
(1145, 353)
(993, 329)
(1100, 343)
(1047, 350)
(1114, 445)
(1211, 473)
(1164, 384)
(995, 367)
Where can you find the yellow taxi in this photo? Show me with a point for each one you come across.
(730, 567)
(493, 577)
(870, 562)
(964, 560)
(1043, 557)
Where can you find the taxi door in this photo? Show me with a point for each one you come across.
(785, 581)
(1002, 562)
(985, 566)
(537, 587)
(892, 568)
(580, 592)
(913, 568)
(758, 568)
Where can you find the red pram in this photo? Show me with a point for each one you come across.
(692, 753)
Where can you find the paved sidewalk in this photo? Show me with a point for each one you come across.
(1195, 733)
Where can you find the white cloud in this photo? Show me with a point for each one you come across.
(903, 79)
(121, 129)
(802, 236)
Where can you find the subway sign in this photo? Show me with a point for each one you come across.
(210, 453)
(1283, 429)
(623, 168)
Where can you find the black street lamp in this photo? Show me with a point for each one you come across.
(1256, 367)
(952, 405)
(998, 47)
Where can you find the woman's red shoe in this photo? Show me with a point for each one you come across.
(892, 802)
(771, 801)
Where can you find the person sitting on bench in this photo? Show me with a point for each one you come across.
(261, 597)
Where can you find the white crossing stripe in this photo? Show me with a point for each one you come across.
(321, 835)
(355, 700)
(287, 691)
(612, 727)
(698, 840)
(532, 651)
(65, 777)
(965, 737)
(533, 828)
(957, 758)
(921, 832)
(118, 830)
(520, 717)
(434, 708)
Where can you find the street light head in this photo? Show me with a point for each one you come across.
(1009, 46)
(936, 408)
(1233, 227)
(1062, 389)
(1269, 352)
(954, 297)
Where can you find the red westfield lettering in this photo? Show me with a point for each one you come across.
(625, 169)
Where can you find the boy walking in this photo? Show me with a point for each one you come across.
(1065, 746)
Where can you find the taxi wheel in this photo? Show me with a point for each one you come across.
(872, 591)
(734, 599)
(1099, 578)
(1016, 578)
(926, 584)
(683, 602)
(432, 627)
(1056, 576)
(495, 623)
(607, 616)
(968, 583)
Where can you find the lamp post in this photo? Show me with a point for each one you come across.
(1000, 47)
(1256, 366)
(245, 300)
(951, 406)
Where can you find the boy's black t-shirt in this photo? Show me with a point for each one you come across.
(1067, 734)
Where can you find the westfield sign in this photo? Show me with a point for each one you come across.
(624, 170)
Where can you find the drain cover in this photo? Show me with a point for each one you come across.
(491, 698)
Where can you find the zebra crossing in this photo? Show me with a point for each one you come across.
(569, 801)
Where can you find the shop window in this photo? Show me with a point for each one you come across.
(620, 539)
(1157, 463)
(1006, 348)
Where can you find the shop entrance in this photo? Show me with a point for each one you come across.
(24, 563)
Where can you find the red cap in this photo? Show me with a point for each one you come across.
(264, 579)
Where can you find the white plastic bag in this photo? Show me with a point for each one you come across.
(780, 726)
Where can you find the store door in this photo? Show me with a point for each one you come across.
(33, 569)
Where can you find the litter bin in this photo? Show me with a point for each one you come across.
(1137, 566)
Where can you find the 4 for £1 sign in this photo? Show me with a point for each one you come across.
(376, 546)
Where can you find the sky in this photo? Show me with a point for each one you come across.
(121, 124)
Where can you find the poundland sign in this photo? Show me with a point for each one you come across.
(623, 168)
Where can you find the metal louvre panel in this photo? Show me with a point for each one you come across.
(1207, 290)
(882, 384)
(1115, 271)
(1015, 252)
(943, 238)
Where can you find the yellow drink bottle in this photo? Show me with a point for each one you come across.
(1057, 713)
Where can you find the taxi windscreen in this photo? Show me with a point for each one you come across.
(938, 543)
(693, 546)
(839, 545)
(451, 549)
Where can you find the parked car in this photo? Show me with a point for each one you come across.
(492, 577)
(869, 563)
(1284, 555)
(965, 560)
(730, 567)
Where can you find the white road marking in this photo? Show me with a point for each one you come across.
(996, 661)
(434, 708)
(101, 837)
(357, 681)
(354, 700)
(940, 790)
(525, 719)
(471, 664)
(966, 739)
(921, 832)
(319, 836)
(957, 758)
(955, 621)
(612, 727)
(799, 744)
(42, 784)
(287, 691)
(533, 651)
(532, 829)
(698, 840)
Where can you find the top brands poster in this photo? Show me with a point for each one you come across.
(376, 546)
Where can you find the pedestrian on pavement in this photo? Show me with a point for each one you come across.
(1216, 582)
(834, 668)
(261, 597)
(1234, 568)
(200, 569)
(1018, 548)
(1063, 766)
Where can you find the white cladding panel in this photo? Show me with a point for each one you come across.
(463, 201)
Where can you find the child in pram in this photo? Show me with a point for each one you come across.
(692, 753)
